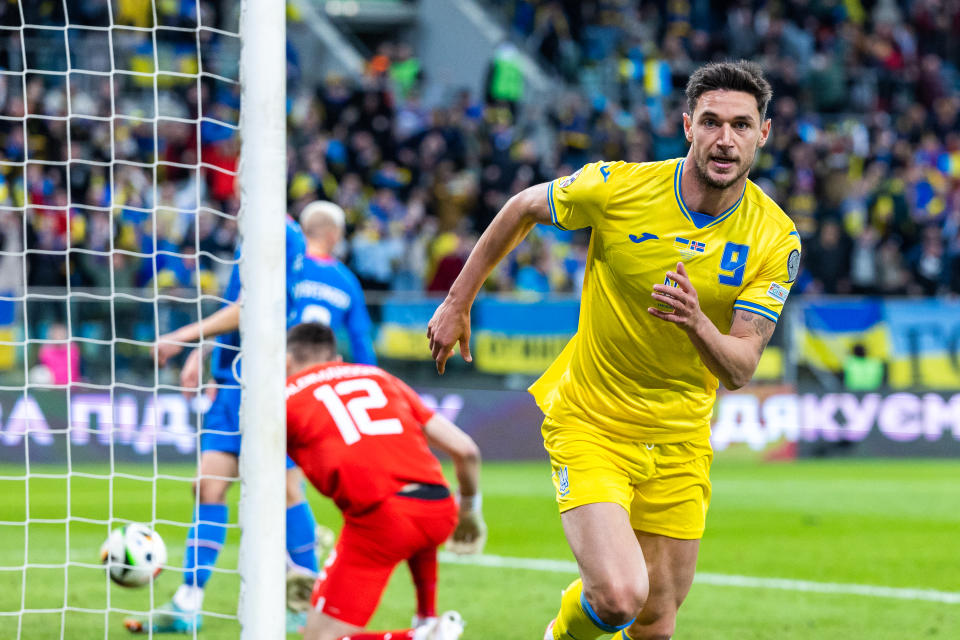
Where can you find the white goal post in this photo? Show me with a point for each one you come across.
(263, 318)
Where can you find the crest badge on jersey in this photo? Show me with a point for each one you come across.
(566, 182)
(793, 265)
(563, 481)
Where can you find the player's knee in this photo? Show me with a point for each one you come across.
(618, 602)
(295, 494)
(210, 490)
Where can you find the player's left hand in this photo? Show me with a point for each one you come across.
(470, 535)
(682, 298)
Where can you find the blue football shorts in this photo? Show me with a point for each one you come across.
(221, 424)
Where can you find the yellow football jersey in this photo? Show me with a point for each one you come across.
(626, 372)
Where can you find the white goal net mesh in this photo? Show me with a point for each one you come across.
(118, 156)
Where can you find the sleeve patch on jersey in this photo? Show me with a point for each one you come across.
(793, 266)
(778, 292)
(566, 182)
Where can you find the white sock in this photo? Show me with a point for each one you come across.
(188, 597)
(423, 632)
(419, 622)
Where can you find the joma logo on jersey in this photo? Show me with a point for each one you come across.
(563, 482)
(643, 237)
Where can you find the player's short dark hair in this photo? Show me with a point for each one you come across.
(311, 341)
(743, 76)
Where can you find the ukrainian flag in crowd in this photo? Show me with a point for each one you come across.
(511, 337)
(949, 163)
(918, 340)
(508, 336)
(925, 337)
(656, 78)
(830, 331)
(403, 329)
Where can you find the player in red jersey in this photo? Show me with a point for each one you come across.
(361, 437)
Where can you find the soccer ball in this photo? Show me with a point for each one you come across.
(134, 554)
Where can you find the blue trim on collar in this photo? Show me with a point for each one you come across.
(676, 191)
(700, 220)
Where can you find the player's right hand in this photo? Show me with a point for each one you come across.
(449, 325)
(470, 536)
(190, 374)
(164, 350)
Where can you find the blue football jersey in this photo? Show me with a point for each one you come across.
(296, 252)
(329, 293)
(221, 362)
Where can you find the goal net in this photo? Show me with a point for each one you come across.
(120, 213)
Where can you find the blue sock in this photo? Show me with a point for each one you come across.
(204, 541)
(302, 536)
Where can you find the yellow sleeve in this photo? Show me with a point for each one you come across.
(576, 201)
(768, 291)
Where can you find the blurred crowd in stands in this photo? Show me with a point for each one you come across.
(864, 154)
(865, 149)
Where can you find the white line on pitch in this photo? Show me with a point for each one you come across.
(722, 580)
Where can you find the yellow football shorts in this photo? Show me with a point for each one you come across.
(664, 487)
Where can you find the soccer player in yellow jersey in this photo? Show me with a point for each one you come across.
(689, 267)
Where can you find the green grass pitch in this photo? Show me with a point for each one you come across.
(880, 523)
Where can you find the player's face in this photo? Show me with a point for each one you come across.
(724, 133)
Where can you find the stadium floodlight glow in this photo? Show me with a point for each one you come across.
(92, 96)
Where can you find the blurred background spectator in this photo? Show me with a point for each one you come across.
(60, 356)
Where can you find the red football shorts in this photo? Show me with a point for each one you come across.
(370, 546)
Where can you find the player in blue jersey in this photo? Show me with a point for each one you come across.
(220, 449)
(328, 292)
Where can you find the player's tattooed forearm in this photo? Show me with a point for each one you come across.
(760, 326)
